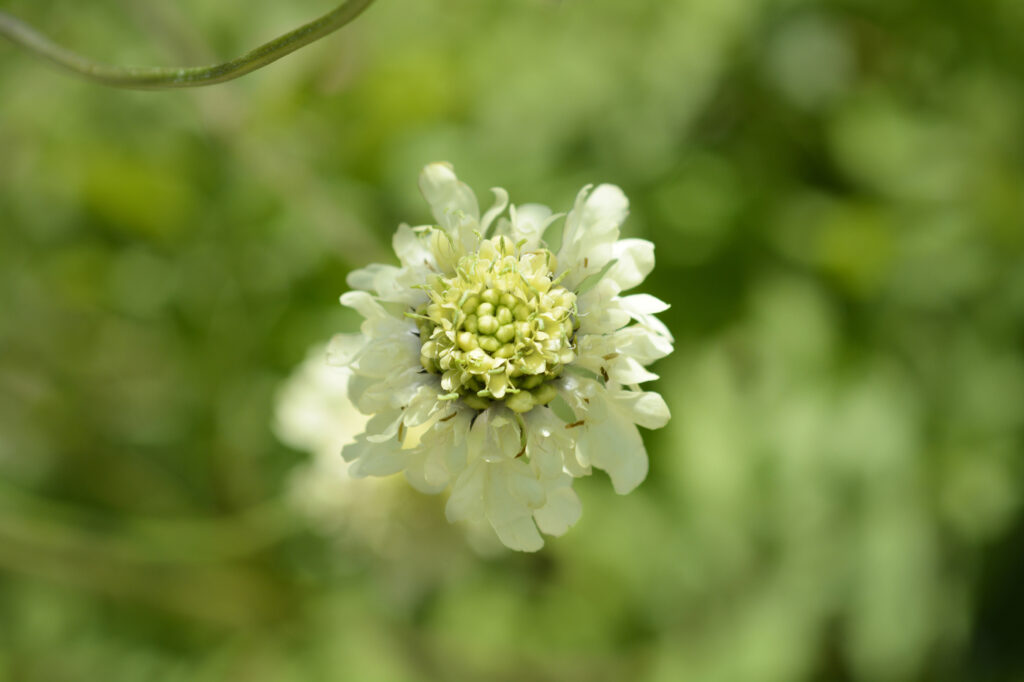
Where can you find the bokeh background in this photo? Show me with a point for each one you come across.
(836, 191)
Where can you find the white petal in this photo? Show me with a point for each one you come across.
(373, 459)
(511, 518)
(646, 408)
(519, 534)
(620, 356)
(529, 222)
(618, 449)
(441, 454)
(598, 215)
(591, 229)
(634, 260)
(524, 486)
(642, 343)
(375, 394)
(422, 406)
(549, 443)
(562, 511)
(422, 475)
(495, 435)
(366, 278)
(600, 311)
(467, 498)
(412, 249)
(626, 370)
(344, 348)
(500, 202)
(643, 304)
(384, 426)
(363, 303)
(608, 438)
(452, 202)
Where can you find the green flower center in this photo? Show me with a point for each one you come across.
(500, 328)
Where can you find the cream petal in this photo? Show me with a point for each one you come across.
(500, 202)
(445, 249)
(646, 408)
(612, 355)
(634, 260)
(422, 406)
(529, 222)
(423, 475)
(608, 438)
(372, 394)
(382, 433)
(524, 486)
(597, 214)
(600, 311)
(519, 534)
(451, 201)
(467, 498)
(343, 348)
(591, 229)
(510, 517)
(363, 303)
(549, 443)
(626, 370)
(561, 512)
(410, 248)
(367, 278)
(494, 436)
(373, 459)
(615, 446)
(641, 343)
(443, 449)
(380, 357)
(643, 304)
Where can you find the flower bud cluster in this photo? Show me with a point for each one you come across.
(500, 329)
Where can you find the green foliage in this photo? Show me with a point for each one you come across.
(835, 192)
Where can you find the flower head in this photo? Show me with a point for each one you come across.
(501, 368)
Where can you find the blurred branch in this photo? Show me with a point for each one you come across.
(157, 78)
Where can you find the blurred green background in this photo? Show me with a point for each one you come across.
(836, 191)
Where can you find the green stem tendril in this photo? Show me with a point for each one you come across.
(157, 78)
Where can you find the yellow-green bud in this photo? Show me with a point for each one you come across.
(467, 341)
(489, 343)
(470, 304)
(488, 324)
(520, 402)
(544, 394)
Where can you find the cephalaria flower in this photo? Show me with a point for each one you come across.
(499, 366)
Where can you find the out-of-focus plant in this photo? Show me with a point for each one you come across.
(835, 191)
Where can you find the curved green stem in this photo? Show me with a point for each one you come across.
(156, 78)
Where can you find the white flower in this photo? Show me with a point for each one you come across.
(314, 414)
(501, 369)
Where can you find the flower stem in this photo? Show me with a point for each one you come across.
(158, 78)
